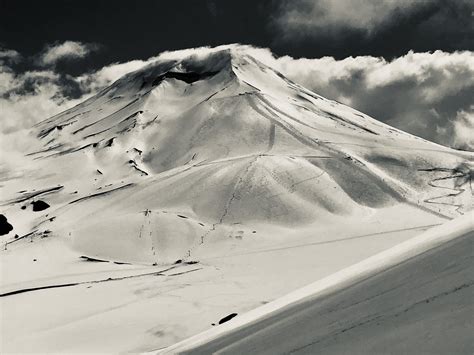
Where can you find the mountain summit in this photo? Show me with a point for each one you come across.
(168, 159)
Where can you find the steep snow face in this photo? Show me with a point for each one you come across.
(159, 164)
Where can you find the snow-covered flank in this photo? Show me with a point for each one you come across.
(220, 170)
(416, 297)
(221, 138)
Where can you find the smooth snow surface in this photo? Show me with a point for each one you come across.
(196, 187)
(416, 297)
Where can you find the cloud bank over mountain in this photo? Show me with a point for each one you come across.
(426, 94)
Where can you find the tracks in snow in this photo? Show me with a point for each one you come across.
(458, 190)
(162, 272)
(323, 242)
(232, 198)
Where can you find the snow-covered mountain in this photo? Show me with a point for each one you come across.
(168, 154)
(208, 158)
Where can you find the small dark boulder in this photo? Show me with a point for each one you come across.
(39, 206)
(5, 227)
(94, 260)
(227, 318)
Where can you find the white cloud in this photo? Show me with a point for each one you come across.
(464, 129)
(66, 50)
(426, 94)
(7, 78)
(21, 111)
(30, 97)
(334, 15)
(9, 55)
(11, 83)
(108, 74)
(436, 74)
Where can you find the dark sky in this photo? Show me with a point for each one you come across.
(128, 30)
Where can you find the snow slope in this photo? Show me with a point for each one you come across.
(210, 158)
(221, 139)
(416, 297)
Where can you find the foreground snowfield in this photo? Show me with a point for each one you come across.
(416, 297)
(156, 309)
(201, 185)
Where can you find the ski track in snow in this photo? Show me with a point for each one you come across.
(458, 189)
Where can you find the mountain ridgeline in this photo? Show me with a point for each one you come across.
(160, 163)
